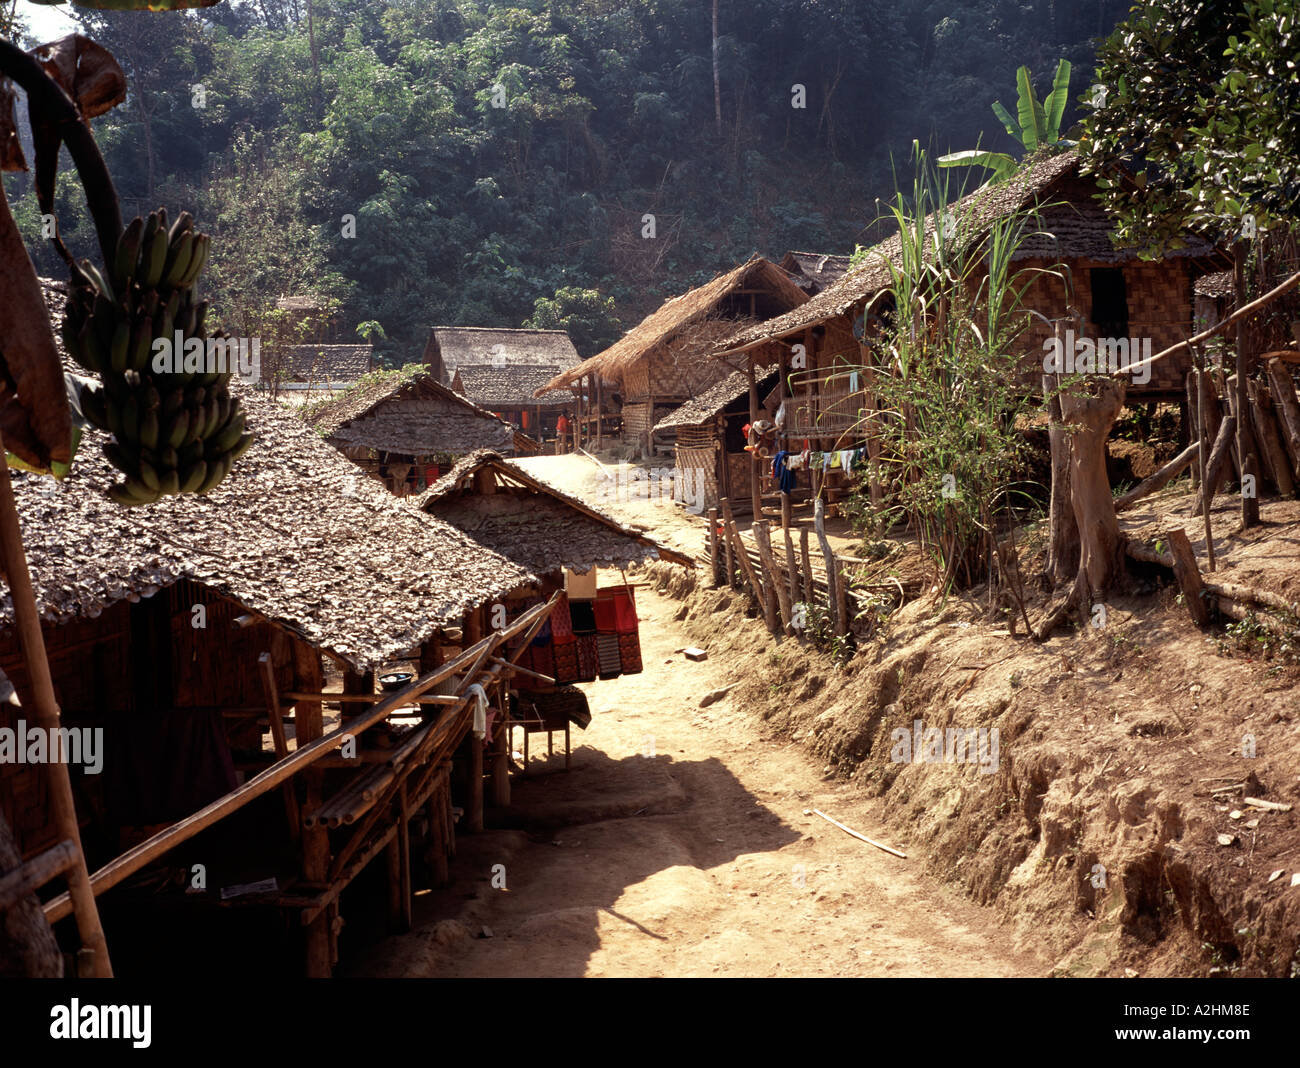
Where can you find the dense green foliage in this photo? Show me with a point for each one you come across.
(470, 213)
(1204, 100)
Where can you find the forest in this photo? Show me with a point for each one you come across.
(474, 163)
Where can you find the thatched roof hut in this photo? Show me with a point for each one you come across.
(411, 413)
(317, 364)
(539, 527)
(1117, 287)
(294, 533)
(664, 360)
(521, 357)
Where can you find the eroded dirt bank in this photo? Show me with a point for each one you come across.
(678, 845)
(1112, 829)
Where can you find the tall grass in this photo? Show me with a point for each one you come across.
(949, 384)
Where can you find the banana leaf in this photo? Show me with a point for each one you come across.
(998, 162)
(1004, 116)
(1028, 110)
(1056, 99)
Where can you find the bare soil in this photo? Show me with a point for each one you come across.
(1111, 837)
(697, 860)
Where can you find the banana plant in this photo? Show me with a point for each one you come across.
(1035, 124)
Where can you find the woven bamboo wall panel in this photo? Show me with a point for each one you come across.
(701, 470)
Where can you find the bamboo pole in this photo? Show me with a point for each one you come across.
(80, 894)
(725, 504)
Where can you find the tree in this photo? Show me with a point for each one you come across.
(1202, 104)
(588, 318)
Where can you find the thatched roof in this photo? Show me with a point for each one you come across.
(1079, 229)
(408, 412)
(814, 271)
(476, 345)
(504, 387)
(321, 363)
(547, 531)
(301, 303)
(296, 533)
(662, 327)
(711, 402)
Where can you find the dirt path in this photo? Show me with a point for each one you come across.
(696, 860)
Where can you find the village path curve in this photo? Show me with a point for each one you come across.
(695, 861)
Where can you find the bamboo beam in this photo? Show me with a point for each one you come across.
(45, 711)
(1160, 479)
(30, 876)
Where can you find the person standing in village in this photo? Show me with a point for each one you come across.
(562, 434)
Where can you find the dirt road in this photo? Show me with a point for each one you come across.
(678, 846)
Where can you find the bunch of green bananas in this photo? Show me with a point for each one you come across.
(172, 432)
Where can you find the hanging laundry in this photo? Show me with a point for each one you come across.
(846, 458)
(782, 473)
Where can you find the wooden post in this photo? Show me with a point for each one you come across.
(791, 575)
(393, 884)
(46, 713)
(501, 752)
(1215, 467)
(725, 504)
(1187, 574)
(1203, 454)
(1245, 446)
(405, 914)
(1270, 440)
(308, 725)
(807, 568)
(776, 589)
(755, 464)
(276, 718)
(1283, 391)
(600, 414)
(474, 800)
(873, 443)
(738, 547)
(1193, 427)
(713, 546)
(832, 574)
